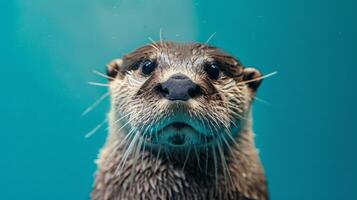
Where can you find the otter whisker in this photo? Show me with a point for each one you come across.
(204, 120)
(118, 120)
(86, 111)
(233, 122)
(210, 37)
(198, 158)
(227, 144)
(136, 156)
(95, 129)
(229, 134)
(157, 158)
(232, 109)
(214, 121)
(146, 136)
(225, 168)
(161, 38)
(102, 75)
(261, 100)
(148, 128)
(215, 166)
(187, 156)
(258, 78)
(153, 41)
(225, 127)
(127, 136)
(98, 84)
(154, 47)
(129, 150)
(153, 44)
(206, 149)
(133, 130)
(222, 160)
(167, 154)
(144, 147)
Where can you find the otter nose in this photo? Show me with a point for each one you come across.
(179, 87)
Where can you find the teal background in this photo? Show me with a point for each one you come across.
(306, 133)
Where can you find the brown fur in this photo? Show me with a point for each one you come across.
(151, 173)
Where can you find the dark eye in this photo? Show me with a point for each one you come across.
(147, 67)
(213, 71)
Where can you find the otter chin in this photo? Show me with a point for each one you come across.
(180, 134)
(180, 126)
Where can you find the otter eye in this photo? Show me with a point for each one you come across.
(147, 67)
(212, 70)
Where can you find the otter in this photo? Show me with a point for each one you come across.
(180, 126)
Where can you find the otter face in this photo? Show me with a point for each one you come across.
(176, 95)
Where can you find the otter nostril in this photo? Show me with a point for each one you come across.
(163, 91)
(195, 91)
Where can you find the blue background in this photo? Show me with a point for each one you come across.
(306, 133)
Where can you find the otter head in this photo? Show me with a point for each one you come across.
(179, 95)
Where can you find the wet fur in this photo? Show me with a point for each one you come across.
(127, 169)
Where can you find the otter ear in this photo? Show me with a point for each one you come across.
(251, 77)
(113, 68)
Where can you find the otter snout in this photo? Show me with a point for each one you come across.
(179, 87)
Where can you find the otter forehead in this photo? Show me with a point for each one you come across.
(183, 55)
